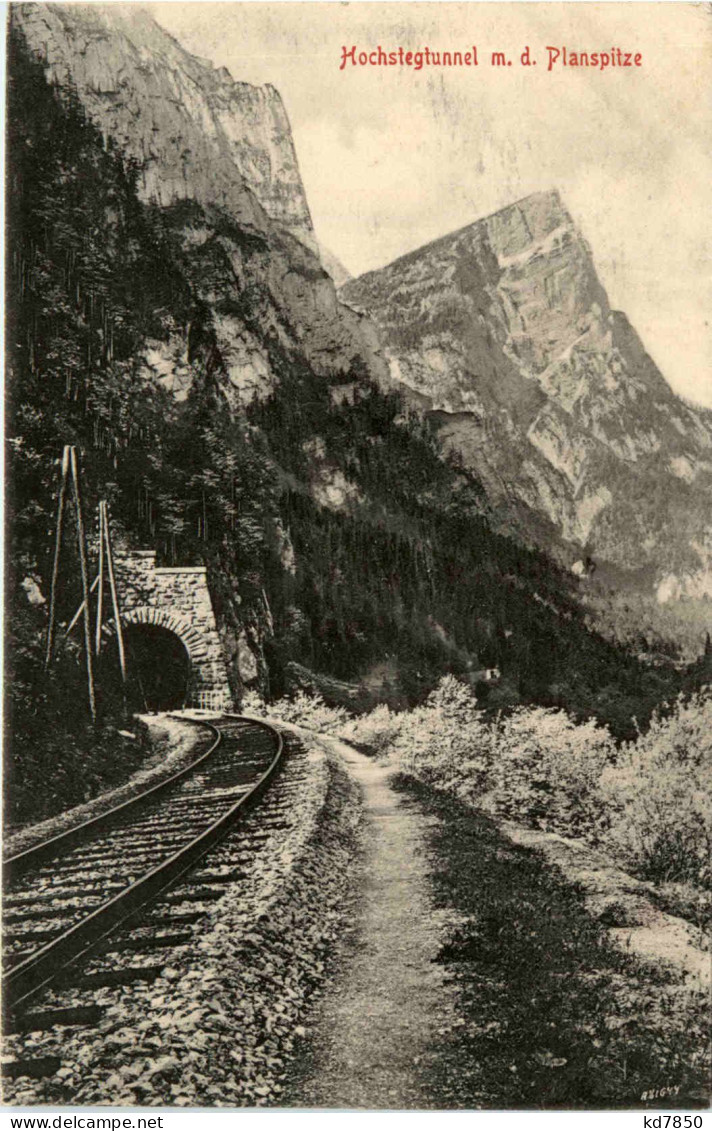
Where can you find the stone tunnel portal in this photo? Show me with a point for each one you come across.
(175, 651)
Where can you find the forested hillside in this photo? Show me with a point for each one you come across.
(336, 534)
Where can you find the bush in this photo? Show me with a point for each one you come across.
(546, 771)
(535, 765)
(658, 796)
(445, 742)
(377, 731)
(647, 802)
(308, 711)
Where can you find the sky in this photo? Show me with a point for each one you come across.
(392, 157)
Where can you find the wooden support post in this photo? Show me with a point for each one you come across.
(85, 580)
(100, 595)
(55, 564)
(80, 610)
(114, 594)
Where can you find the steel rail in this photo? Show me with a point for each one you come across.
(24, 981)
(14, 866)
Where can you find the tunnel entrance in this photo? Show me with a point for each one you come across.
(158, 668)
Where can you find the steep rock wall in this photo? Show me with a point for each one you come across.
(505, 332)
(195, 133)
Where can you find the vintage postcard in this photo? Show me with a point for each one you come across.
(358, 684)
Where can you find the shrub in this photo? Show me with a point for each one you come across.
(658, 796)
(377, 731)
(546, 769)
(445, 742)
(647, 802)
(308, 711)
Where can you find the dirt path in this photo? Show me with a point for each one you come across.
(528, 1004)
(376, 1031)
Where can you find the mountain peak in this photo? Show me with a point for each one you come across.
(503, 330)
(526, 222)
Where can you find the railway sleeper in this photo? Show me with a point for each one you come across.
(104, 882)
(116, 863)
(21, 915)
(119, 852)
(134, 855)
(42, 936)
(232, 775)
(203, 816)
(170, 817)
(108, 978)
(35, 1068)
(148, 942)
(245, 775)
(227, 791)
(49, 895)
(176, 919)
(110, 844)
(9, 961)
(194, 895)
(231, 855)
(131, 842)
(175, 824)
(184, 806)
(188, 829)
(219, 877)
(226, 782)
(257, 839)
(239, 771)
(168, 807)
(147, 860)
(196, 811)
(89, 867)
(166, 815)
(37, 1020)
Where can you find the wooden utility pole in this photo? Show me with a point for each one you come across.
(114, 593)
(70, 465)
(81, 543)
(80, 610)
(106, 566)
(55, 563)
(100, 581)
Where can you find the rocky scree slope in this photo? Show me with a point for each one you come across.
(503, 333)
(218, 156)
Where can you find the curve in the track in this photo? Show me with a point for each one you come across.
(80, 886)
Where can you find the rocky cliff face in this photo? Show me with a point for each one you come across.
(503, 331)
(195, 133)
(200, 138)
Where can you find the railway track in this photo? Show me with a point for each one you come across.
(96, 906)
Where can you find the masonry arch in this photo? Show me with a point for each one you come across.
(164, 658)
(169, 620)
